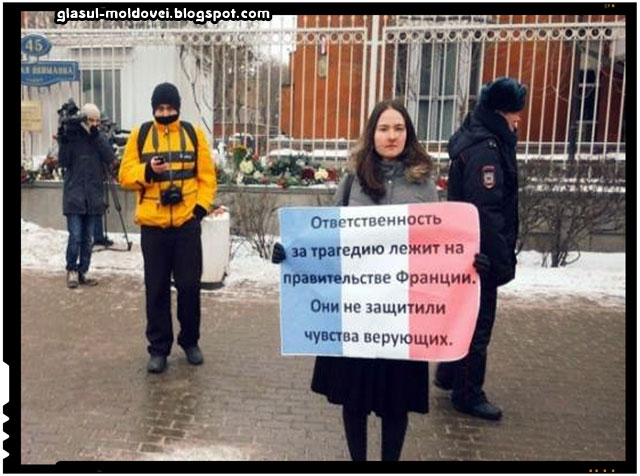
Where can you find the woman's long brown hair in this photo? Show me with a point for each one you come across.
(365, 157)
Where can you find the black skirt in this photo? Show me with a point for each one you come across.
(384, 386)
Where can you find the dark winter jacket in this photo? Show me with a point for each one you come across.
(84, 158)
(484, 172)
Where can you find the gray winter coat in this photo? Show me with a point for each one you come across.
(399, 190)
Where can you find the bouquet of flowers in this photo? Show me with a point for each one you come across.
(317, 174)
(248, 169)
(288, 166)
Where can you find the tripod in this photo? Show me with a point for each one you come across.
(99, 233)
(110, 187)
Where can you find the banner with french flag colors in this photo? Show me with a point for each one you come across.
(389, 281)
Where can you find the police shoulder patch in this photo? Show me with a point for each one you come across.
(488, 176)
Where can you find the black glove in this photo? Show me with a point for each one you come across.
(482, 263)
(278, 255)
(199, 212)
(93, 133)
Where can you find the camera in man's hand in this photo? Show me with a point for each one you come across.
(171, 196)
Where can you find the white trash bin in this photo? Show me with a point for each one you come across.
(216, 242)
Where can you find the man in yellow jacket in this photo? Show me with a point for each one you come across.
(169, 164)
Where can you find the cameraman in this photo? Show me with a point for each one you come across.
(168, 163)
(83, 151)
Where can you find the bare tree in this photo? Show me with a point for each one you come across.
(253, 216)
(575, 204)
(530, 200)
(235, 83)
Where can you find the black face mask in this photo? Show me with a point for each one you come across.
(167, 120)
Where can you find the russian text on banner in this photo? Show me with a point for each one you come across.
(393, 281)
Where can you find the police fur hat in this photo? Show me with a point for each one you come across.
(503, 94)
(165, 93)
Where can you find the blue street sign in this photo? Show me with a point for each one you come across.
(46, 73)
(35, 45)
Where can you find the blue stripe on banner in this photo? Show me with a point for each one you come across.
(309, 308)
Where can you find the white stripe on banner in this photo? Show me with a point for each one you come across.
(373, 294)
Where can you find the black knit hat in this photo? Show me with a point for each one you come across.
(503, 94)
(165, 93)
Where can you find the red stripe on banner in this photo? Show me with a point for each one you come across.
(446, 319)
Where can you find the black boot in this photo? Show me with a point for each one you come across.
(484, 410)
(82, 279)
(194, 355)
(157, 364)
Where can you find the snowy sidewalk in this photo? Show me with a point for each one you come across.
(594, 275)
(556, 366)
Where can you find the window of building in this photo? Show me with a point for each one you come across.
(474, 76)
(103, 88)
(587, 107)
(439, 82)
(437, 99)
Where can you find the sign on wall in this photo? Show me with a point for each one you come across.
(46, 73)
(393, 281)
(31, 116)
(35, 45)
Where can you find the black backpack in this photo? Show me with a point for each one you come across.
(188, 127)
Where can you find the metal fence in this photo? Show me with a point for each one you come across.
(309, 82)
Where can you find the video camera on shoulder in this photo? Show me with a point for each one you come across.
(68, 118)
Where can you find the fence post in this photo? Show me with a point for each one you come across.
(373, 67)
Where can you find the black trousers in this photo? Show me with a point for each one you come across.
(466, 376)
(168, 251)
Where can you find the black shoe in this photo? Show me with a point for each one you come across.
(157, 364)
(82, 279)
(194, 355)
(484, 410)
(103, 242)
(442, 385)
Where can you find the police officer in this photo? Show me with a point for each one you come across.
(483, 171)
(168, 162)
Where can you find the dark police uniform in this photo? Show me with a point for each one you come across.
(483, 171)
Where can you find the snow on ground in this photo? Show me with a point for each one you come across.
(594, 275)
(44, 249)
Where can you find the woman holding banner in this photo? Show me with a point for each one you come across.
(389, 167)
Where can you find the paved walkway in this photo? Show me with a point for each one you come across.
(556, 367)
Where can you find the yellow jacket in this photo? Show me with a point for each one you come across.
(197, 189)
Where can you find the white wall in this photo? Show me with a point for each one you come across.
(147, 67)
(142, 68)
